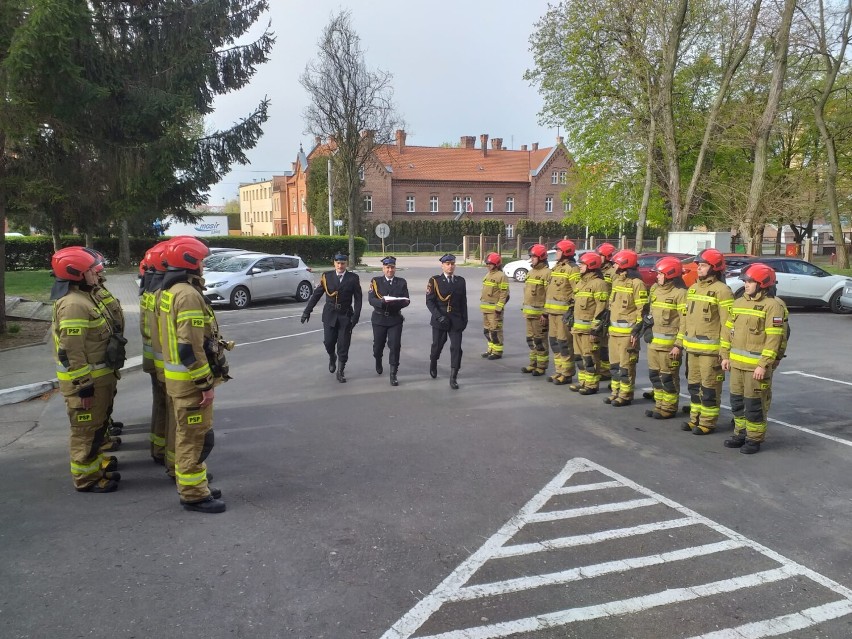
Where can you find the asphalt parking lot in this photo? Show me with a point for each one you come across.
(508, 508)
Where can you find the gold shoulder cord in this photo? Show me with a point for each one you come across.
(325, 287)
(376, 289)
(442, 297)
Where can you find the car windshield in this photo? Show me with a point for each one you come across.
(235, 264)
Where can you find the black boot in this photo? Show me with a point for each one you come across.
(340, 377)
(750, 447)
(433, 368)
(734, 441)
(454, 373)
(393, 379)
(207, 505)
(332, 363)
(379, 369)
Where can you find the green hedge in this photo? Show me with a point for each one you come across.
(34, 252)
(435, 231)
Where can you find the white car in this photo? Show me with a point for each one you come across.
(519, 269)
(801, 283)
(258, 276)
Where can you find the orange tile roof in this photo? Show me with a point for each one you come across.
(460, 164)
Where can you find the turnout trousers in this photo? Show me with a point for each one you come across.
(704, 379)
(589, 359)
(88, 430)
(750, 403)
(159, 418)
(492, 326)
(622, 366)
(664, 373)
(193, 443)
(562, 345)
(537, 342)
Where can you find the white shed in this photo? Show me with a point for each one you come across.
(695, 241)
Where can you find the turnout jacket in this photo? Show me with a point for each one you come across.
(754, 332)
(447, 299)
(668, 305)
(114, 313)
(559, 296)
(80, 335)
(147, 327)
(590, 303)
(708, 304)
(342, 297)
(495, 292)
(387, 313)
(535, 290)
(627, 303)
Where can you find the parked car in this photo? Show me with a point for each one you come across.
(212, 261)
(648, 260)
(801, 283)
(223, 249)
(258, 276)
(846, 297)
(519, 269)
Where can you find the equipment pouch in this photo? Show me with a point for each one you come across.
(116, 352)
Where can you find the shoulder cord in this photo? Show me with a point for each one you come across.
(325, 287)
(444, 298)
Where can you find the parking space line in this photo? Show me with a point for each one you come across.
(454, 588)
(272, 339)
(825, 379)
(785, 623)
(268, 319)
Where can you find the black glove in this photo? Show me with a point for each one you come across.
(443, 320)
(568, 318)
(305, 317)
(86, 391)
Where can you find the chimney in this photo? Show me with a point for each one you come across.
(523, 147)
(483, 142)
(559, 140)
(368, 134)
(468, 141)
(497, 144)
(535, 146)
(400, 140)
(317, 140)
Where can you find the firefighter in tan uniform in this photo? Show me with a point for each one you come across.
(190, 334)
(750, 350)
(668, 305)
(628, 303)
(591, 299)
(606, 251)
(708, 303)
(149, 327)
(535, 289)
(492, 303)
(81, 333)
(559, 300)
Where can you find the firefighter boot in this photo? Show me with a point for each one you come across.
(453, 382)
(750, 447)
(207, 505)
(393, 379)
(735, 441)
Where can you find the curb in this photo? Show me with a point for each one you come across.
(29, 391)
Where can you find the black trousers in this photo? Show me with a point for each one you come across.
(390, 335)
(439, 338)
(338, 334)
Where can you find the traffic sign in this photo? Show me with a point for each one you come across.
(382, 230)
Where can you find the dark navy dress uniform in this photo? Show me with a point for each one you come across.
(387, 317)
(340, 314)
(446, 299)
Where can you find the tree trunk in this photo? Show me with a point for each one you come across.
(758, 177)
(123, 245)
(642, 218)
(3, 241)
(670, 53)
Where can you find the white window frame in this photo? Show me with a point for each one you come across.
(510, 204)
(457, 204)
(489, 204)
(563, 177)
(467, 203)
(368, 203)
(433, 203)
(510, 231)
(361, 174)
(548, 204)
(410, 204)
(566, 205)
(554, 177)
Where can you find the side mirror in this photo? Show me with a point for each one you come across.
(254, 271)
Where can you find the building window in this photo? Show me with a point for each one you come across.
(457, 204)
(368, 204)
(510, 231)
(566, 204)
(489, 204)
(563, 177)
(554, 177)
(548, 204)
(304, 205)
(409, 204)
(361, 173)
(293, 209)
(510, 204)
(433, 204)
(468, 204)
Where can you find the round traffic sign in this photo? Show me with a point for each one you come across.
(382, 230)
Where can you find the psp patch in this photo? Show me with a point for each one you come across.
(198, 322)
(84, 417)
(74, 331)
(194, 419)
(777, 321)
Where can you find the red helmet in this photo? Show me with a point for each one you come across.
(626, 259)
(606, 250)
(185, 253)
(154, 257)
(759, 272)
(670, 267)
(494, 259)
(592, 260)
(142, 267)
(99, 257)
(712, 257)
(539, 251)
(70, 263)
(567, 247)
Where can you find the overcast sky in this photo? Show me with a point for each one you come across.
(457, 70)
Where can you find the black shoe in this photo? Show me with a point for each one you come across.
(750, 447)
(215, 493)
(207, 505)
(618, 403)
(332, 363)
(379, 369)
(684, 410)
(537, 372)
(113, 476)
(650, 413)
(453, 375)
(658, 415)
(561, 380)
(687, 426)
(494, 356)
(433, 368)
(112, 445)
(113, 431)
(393, 379)
(528, 369)
(486, 355)
(102, 486)
(608, 400)
(587, 391)
(575, 388)
(734, 442)
(159, 460)
(648, 395)
(340, 376)
(111, 463)
(700, 431)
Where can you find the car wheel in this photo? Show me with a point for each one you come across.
(835, 305)
(303, 293)
(521, 274)
(240, 297)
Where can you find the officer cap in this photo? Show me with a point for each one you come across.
(389, 261)
(341, 257)
(447, 257)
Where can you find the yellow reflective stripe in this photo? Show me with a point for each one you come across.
(619, 330)
(744, 359)
(749, 311)
(488, 306)
(774, 331)
(532, 310)
(728, 304)
(190, 315)
(622, 289)
(157, 440)
(725, 344)
(666, 305)
(563, 275)
(86, 469)
(584, 294)
(557, 305)
(663, 339)
(710, 347)
(191, 479)
(81, 323)
(200, 372)
(535, 280)
(602, 296)
(768, 353)
(583, 324)
(65, 375)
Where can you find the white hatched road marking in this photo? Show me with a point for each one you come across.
(825, 379)
(453, 588)
(272, 339)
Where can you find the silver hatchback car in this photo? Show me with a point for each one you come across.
(258, 276)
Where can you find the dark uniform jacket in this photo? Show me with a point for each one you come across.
(341, 297)
(447, 300)
(387, 313)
